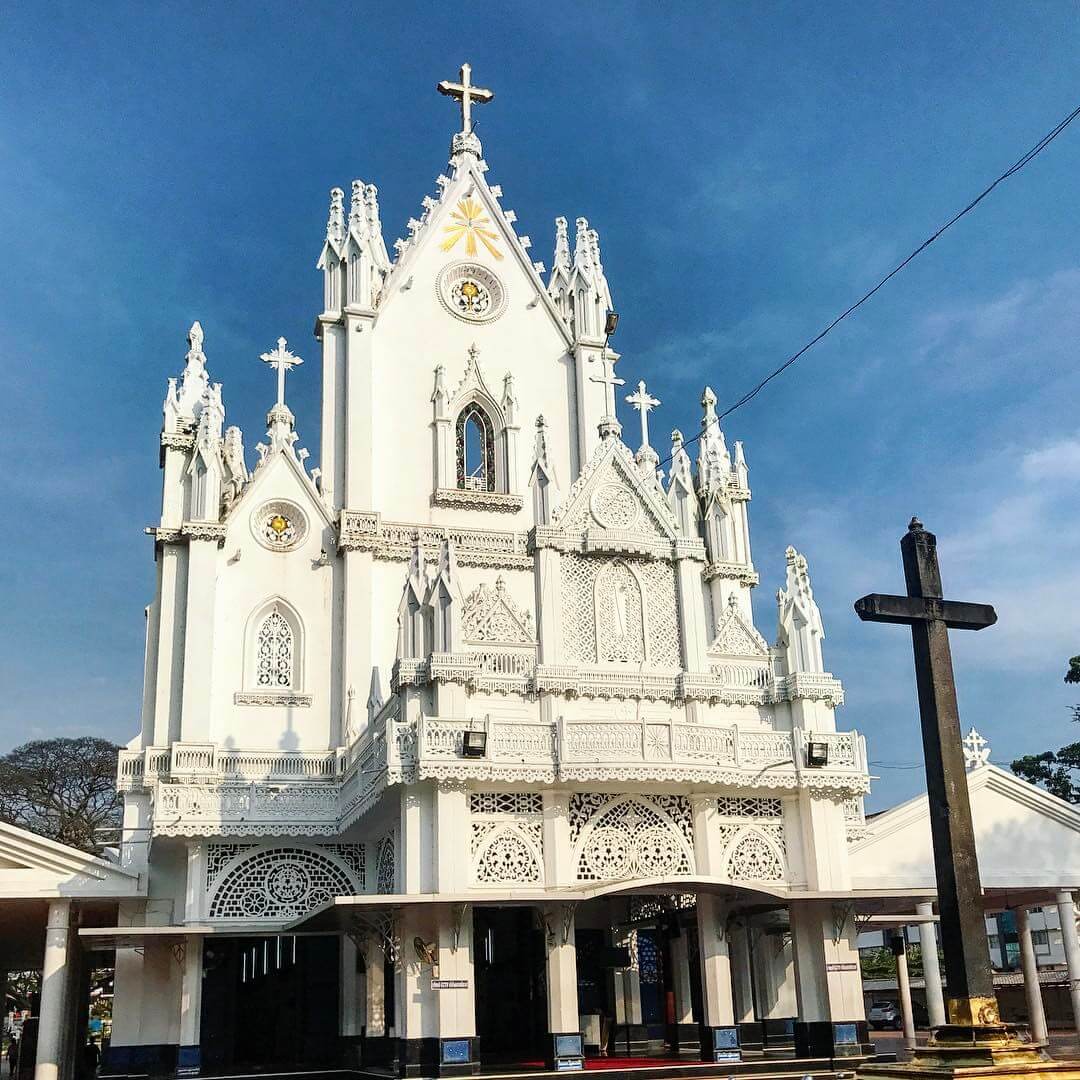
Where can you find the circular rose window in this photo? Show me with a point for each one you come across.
(471, 292)
(279, 525)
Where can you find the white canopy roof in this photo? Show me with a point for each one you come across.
(1028, 842)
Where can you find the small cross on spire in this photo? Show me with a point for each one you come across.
(467, 94)
(281, 360)
(644, 402)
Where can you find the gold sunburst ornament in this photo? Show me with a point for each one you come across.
(468, 220)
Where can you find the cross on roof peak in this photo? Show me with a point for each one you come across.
(976, 749)
(281, 360)
(467, 94)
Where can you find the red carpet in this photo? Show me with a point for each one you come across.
(600, 1063)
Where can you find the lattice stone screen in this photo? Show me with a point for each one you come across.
(507, 841)
(625, 836)
(280, 883)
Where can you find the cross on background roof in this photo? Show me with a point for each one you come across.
(976, 749)
(281, 360)
(466, 93)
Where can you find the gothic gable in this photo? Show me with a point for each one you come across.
(612, 498)
(735, 636)
(492, 616)
(466, 222)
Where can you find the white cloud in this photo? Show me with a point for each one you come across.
(1057, 461)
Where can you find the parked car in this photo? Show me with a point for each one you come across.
(886, 1014)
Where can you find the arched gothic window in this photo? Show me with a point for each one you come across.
(275, 653)
(475, 449)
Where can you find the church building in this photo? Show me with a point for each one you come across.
(460, 745)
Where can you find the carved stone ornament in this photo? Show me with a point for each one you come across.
(492, 616)
(471, 292)
(279, 525)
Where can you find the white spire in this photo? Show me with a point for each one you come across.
(358, 224)
(561, 258)
(335, 223)
(714, 463)
(800, 629)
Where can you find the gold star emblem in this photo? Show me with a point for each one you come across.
(469, 220)
(470, 290)
(279, 523)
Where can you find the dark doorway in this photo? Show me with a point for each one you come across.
(511, 995)
(270, 1002)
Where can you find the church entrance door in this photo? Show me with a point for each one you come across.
(270, 1002)
(511, 995)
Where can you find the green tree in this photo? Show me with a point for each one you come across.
(64, 789)
(1056, 770)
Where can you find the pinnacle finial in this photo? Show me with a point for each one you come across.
(335, 223)
(561, 260)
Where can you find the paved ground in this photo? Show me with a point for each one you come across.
(1062, 1044)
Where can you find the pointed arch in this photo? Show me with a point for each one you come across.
(753, 856)
(508, 856)
(476, 466)
(274, 648)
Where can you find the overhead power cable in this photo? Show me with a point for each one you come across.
(1012, 170)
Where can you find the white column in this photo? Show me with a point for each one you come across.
(1067, 918)
(456, 1008)
(349, 1003)
(561, 970)
(680, 979)
(627, 982)
(740, 965)
(903, 984)
(375, 990)
(935, 999)
(189, 1060)
(54, 976)
(718, 1005)
(1032, 989)
(828, 983)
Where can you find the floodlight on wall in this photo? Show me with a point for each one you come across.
(611, 323)
(473, 743)
(817, 754)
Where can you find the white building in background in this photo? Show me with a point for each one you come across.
(463, 744)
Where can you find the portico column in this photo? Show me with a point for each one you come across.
(189, 1056)
(374, 990)
(1067, 918)
(903, 984)
(717, 1002)
(827, 979)
(628, 981)
(935, 999)
(739, 950)
(1032, 989)
(680, 979)
(561, 970)
(54, 977)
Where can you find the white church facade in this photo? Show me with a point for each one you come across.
(463, 746)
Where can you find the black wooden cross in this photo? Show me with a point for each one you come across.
(968, 976)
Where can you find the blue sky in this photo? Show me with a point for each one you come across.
(751, 170)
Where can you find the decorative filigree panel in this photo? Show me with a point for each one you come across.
(274, 653)
(620, 625)
(505, 802)
(626, 836)
(617, 603)
(507, 854)
(280, 883)
(218, 856)
(385, 868)
(491, 615)
(752, 838)
(738, 806)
